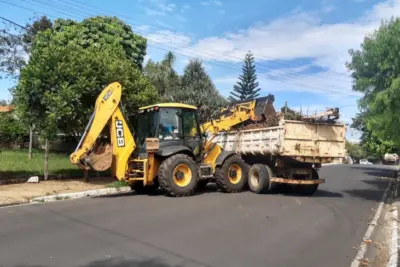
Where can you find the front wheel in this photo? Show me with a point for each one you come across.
(178, 175)
(232, 175)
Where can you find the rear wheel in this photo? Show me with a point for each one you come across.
(232, 176)
(309, 190)
(178, 175)
(259, 178)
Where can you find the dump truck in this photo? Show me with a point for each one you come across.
(167, 148)
(288, 155)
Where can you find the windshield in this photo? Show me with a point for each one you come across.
(170, 124)
(146, 127)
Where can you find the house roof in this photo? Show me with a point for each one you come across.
(6, 108)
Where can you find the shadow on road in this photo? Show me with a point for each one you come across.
(209, 189)
(373, 192)
(320, 193)
(378, 171)
(119, 263)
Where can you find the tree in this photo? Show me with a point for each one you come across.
(70, 64)
(374, 146)
(3, 102)
(247, 86)
(11, 129)
(197, 89)
(376, 73)
(14, 51)
(39, 24)
(11, 51)
(355, 151)
(163, 76)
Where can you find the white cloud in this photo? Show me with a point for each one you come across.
(181, 18)
(211, 2)
(153, 12)
(328, 8)
(277, 43)
(185, 7)
(159, 8)
(221, 11)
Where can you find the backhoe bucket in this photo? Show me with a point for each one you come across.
(100, 159)
(264, 107)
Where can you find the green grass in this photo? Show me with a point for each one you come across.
(15, 164)
(117, 184)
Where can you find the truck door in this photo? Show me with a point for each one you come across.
(191, 131)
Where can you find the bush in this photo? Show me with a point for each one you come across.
(12, 131)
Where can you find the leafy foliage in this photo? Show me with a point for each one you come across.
(374, 146)
(355, 151)
(197, 89)
(39, 24)
(11, 129)
(376, 73)
(15, 44)
(100, 32)
(291, 114)
(163, 76)
(11, 51)
(247, 86)
(71, 64)
(194, 87)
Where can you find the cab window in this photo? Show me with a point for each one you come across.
(190, 128)
(169, 127)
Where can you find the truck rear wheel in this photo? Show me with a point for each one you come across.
(178, 175)
(309, 190)
(259, 178)
(232, 175)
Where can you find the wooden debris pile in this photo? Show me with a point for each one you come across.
(329, 116)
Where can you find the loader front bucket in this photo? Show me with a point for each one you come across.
(264, 107)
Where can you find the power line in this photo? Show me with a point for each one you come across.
(213, 63)
(285, 62)
(271, 72)
(12, 22)
(260, 65)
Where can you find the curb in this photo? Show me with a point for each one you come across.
(371, 227)
(98, 192)
(394, 231)
(393, 243)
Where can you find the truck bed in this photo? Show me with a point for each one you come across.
(302, 141)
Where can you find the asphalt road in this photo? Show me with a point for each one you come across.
(210, 229)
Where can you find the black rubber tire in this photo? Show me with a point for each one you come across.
(166, 179)
(259, 179)
(222, 178)
(309, 190)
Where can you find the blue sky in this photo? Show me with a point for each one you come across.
(300, 46)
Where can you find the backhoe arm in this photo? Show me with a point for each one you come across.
(106, 111)
(240, 112)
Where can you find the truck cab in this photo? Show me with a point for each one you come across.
(175, 125)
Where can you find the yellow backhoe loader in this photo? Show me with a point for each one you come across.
(168, 148)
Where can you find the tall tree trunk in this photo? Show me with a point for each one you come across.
(30, 142)
(46, 159)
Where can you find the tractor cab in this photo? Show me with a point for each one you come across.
(175, 125)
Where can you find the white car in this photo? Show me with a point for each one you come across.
(364, 161)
